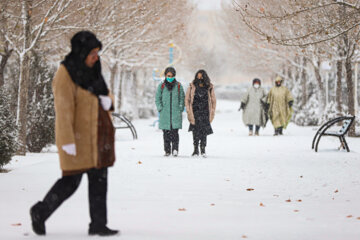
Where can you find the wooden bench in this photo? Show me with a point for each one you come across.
(324, 130)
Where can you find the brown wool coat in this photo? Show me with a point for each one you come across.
(189, 99)
(77, 116)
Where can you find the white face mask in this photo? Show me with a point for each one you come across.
(256, 85)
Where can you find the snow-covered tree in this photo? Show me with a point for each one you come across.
(29, 24)
(324, 28)
(8, 144)
(41, 114)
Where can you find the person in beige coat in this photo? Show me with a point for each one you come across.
(200, 102)
(84, 134)
(253, 104)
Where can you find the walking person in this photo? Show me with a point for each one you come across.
(169, 102)
(84, 134)
(200, 104)
(253, 104)
(280, 103)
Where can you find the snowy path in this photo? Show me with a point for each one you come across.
(144, 199)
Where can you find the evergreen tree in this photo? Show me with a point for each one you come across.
(41, 114)
(8, 144)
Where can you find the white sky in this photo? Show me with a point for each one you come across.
(208, 4)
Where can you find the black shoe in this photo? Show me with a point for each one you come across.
(37, 220)
(167, 154)
(102, 231)
(196, 151)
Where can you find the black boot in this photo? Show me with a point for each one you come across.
(102, 231)
(37, 213)
(196, 150)
(276, 132)
(280, 130)
(203, 151)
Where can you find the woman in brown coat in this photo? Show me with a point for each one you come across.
(200, 104)
(84, 134)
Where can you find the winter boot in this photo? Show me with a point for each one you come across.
(102, 231)
(167, 154)
(250, 132)
(280, 130)
(256, 133)
(203, 151)
(37, 213)
(196, 151)
(276, 132)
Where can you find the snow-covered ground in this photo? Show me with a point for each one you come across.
(298, 194)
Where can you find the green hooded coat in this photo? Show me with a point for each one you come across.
(170, 105)
(280, 111)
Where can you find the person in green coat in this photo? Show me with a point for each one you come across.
(170, 104)
(280, 102)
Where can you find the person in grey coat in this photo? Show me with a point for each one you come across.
(253, 104)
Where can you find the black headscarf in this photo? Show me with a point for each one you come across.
(87, 78)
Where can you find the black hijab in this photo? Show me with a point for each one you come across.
(87, 78)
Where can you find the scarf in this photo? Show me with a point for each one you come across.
(90, 79)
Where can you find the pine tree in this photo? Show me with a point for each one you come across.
(41, 114)
(8, 143)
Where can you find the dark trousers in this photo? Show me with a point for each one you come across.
(251, 127)
(198, 137)
(171, 140)
(67, 185)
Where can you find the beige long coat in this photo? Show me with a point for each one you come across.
(76, 111)
(254, 113)
(189, 99)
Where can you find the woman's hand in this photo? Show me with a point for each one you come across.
(105, 102)
(70, 149)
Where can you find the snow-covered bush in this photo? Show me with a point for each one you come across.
(308, 115)
(8, 144)
(331, 112)
(41, 114)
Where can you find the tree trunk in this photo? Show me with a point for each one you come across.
(339, 69)
(120, 90)
(303, 84)
(24, 81)
(135, 93)
(4, 58)
(289, 81)
(321, 86)
(22, 103)
(113, 72)
(350, 92)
